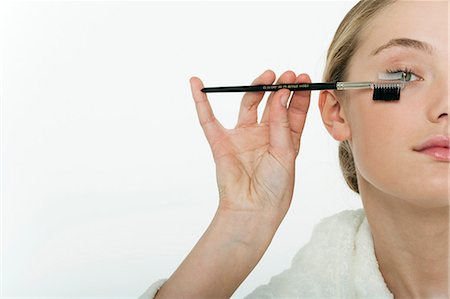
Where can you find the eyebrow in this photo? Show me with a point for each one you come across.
(405, 43)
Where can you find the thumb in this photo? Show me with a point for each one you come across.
(280, 139)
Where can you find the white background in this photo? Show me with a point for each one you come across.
(107, 181)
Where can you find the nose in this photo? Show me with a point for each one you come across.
(439, 102)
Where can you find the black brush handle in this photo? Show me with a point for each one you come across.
(259, 88)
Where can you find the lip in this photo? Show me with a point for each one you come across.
(437, 147)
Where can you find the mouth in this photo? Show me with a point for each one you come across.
(437, 152)
(436, 147)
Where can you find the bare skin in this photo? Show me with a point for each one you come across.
(405, 193)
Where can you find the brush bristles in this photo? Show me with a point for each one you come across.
(386, 93)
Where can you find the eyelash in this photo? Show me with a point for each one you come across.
(406, 70)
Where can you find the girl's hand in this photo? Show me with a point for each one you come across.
(255, 162)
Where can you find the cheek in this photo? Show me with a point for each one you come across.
(383, 138)
(382, 141)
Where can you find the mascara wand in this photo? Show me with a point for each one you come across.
(382, 91)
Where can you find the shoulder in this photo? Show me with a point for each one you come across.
(345, 219)
(332, 235)
(322, 267)
(344, 222)
(324, 264)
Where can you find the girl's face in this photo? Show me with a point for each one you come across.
(383, 135)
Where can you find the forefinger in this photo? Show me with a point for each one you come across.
(212, 128)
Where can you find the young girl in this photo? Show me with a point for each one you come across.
(394, 154)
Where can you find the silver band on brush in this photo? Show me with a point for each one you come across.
(365, 85)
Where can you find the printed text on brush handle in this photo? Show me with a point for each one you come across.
(292, 87)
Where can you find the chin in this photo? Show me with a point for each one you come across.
(429, 188)
(426, 194)
(431, 197)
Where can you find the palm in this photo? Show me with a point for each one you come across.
(246, 170)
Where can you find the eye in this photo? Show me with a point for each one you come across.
(401, 74)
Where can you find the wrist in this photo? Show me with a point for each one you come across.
(223, 257)
(249, 229)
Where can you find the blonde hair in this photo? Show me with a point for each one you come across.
(344, 44)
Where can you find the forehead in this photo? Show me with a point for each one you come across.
(420, 20)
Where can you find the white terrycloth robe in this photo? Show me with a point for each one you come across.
(338, 262)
